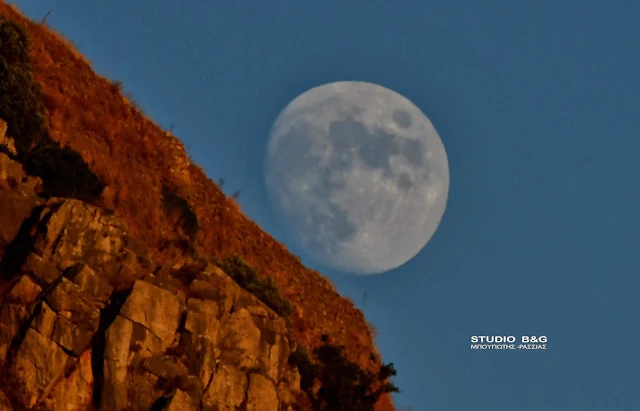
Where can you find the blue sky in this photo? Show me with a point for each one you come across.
(536, 104)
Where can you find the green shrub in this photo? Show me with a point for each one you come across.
(63, 171)
(171, 202)
(21, 104)
(265, 290)
(343, 384)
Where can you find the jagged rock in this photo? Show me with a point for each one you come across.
(116, 354)
(241, 339)
(226, 390)
(261, 395)
(168, 283)
(192, 386)
(10, 168)
(78, 316)
(165, 366)
(44, 319)
(88, 281)
(75, 391)
(155, 308)
(11, 318)
(204, 290)
(44, 271)
(289, 386)
(206, 307)
(70, 336)
(5, 404)
(181, 401)
(5, 140)
(73, 232)
(38, 366)
(202, 317)
(24, 291)
(206, 344)
(144, 388)
(68, 300)
(13, 175)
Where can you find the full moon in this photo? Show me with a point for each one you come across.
(357, 176)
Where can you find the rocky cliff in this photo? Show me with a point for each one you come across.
(89, 319)
(128, 280)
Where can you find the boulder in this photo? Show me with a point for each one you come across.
(24, 291)
(5, 404)
(155, 308)
(11, 318)
(181, 401)
(261, 395)
(39, 364)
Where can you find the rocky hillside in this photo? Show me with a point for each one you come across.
(71, 340)
(128, 280)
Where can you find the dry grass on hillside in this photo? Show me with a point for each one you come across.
(133, 156)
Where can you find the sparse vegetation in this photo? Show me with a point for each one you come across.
(63, 171)
(266, 290)
(372, 329)
(343, 384)
(130, 154)
(221, 181)
(117, 85)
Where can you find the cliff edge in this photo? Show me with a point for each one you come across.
(128, 280)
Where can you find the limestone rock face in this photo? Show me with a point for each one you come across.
(5, 140)
(89, 322)
(5, 404)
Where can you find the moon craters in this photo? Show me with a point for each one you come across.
(357, 175)
(402, 118)
(413, 151)
(351, 141)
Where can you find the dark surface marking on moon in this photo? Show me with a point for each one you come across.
(314, 246)
(413, 151)
(377, 150)
(402, 118)
(336, 223)
(349, 137)
(404, 181)
(327, 184)
(300, 142)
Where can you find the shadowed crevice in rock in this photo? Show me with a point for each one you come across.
(18, 250)
(160, 404)
(107, 317)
